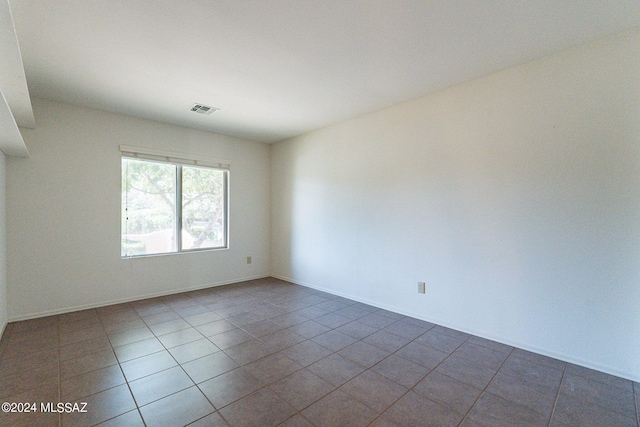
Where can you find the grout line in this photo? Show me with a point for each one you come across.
(488, 384)
(172, 305)
(123, 376)
(555, 402)
(635, 399)
(410, 389)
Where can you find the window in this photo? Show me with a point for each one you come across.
(169, 206)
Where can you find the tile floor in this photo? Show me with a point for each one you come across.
(269, 353)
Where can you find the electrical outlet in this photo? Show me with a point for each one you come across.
(421, 287)
(248, 260)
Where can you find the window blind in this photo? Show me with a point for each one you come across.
(171, 157)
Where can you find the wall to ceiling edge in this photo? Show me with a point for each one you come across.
(63, 216)
(515, 197)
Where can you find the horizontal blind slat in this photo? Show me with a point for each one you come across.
(171, 157)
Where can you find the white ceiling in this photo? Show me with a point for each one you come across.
(277, 69)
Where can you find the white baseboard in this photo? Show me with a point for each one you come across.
(518, 344)
(135, 298)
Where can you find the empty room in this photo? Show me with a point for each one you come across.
(320, 213)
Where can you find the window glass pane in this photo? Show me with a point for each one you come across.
(203, 208)
(148, 207)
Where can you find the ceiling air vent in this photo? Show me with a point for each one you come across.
(203, 109)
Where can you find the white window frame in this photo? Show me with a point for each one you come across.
(179, 160)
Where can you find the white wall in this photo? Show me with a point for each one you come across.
(515, 197)
(3, 246)
(63, 218)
